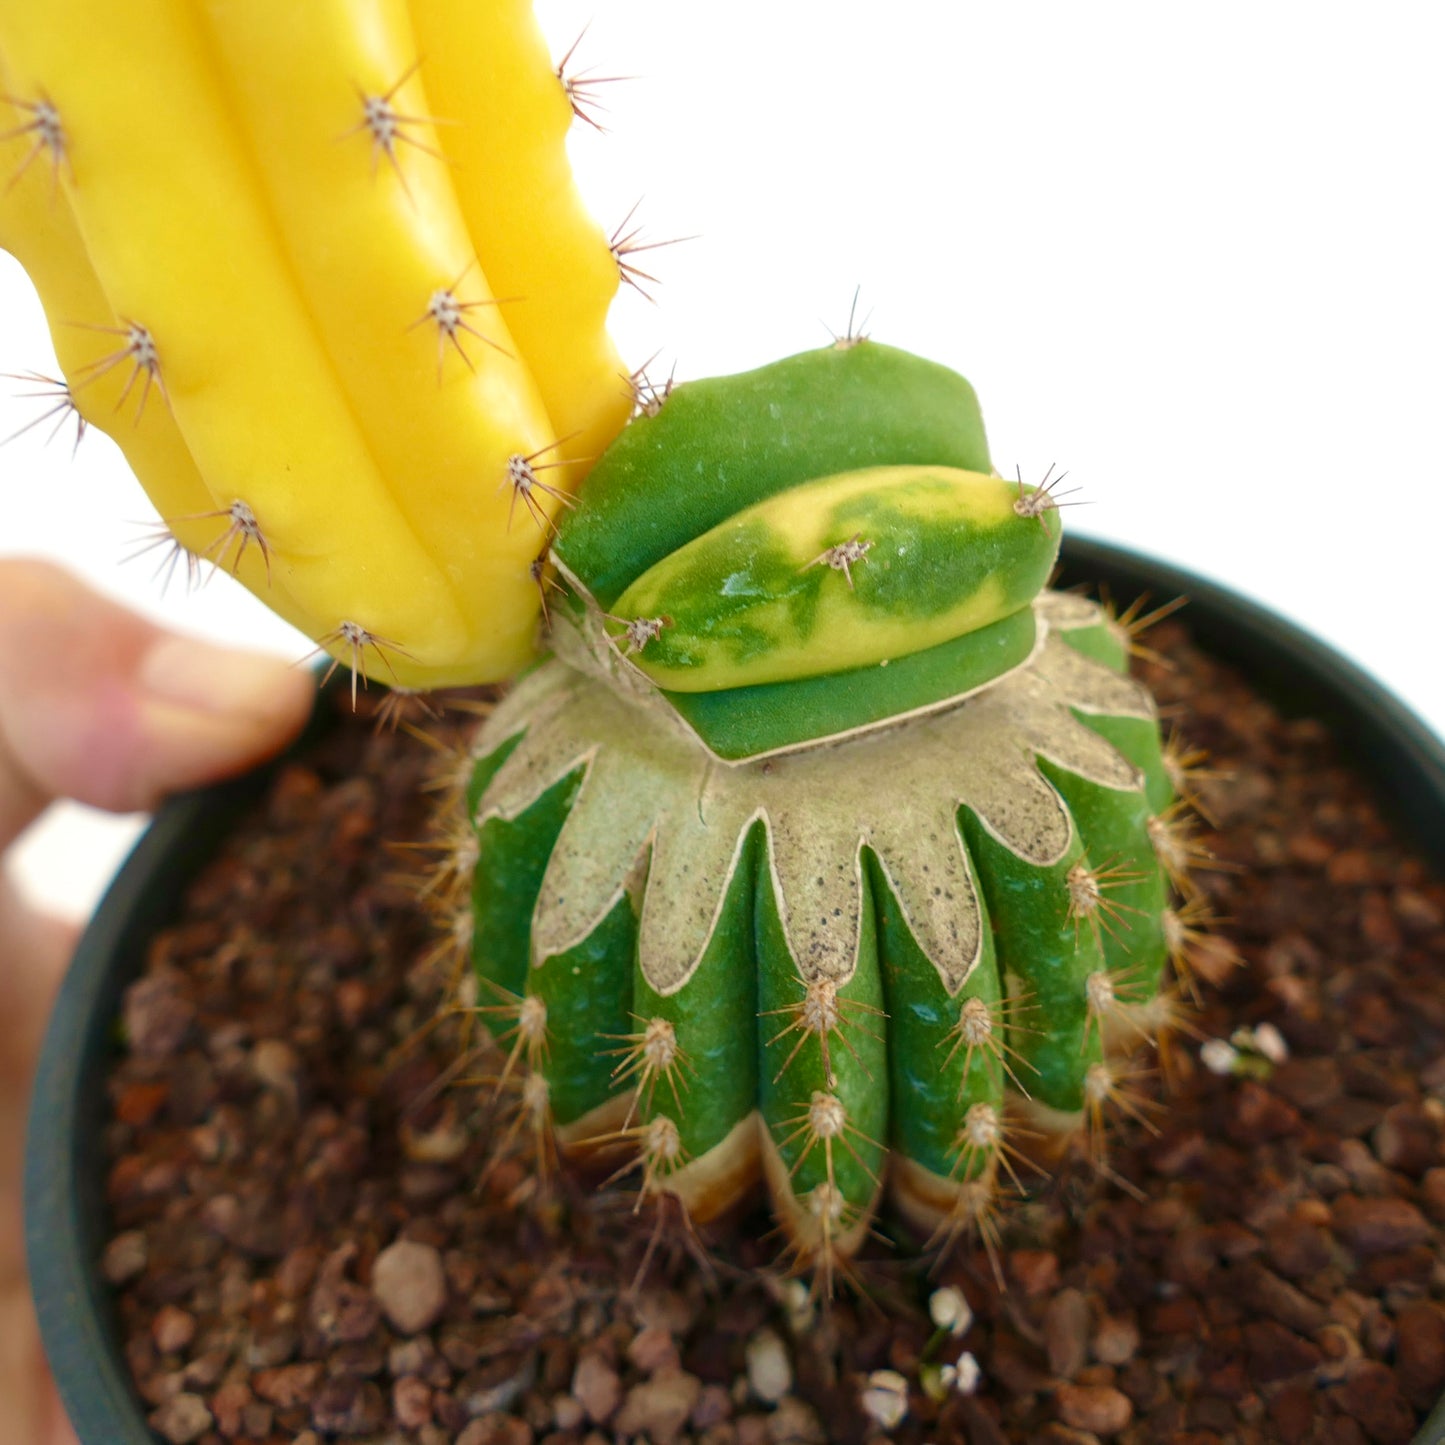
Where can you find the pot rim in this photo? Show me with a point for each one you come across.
(64, 1202)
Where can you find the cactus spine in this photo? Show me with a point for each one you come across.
(827, 848)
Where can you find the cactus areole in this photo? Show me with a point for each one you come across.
(823, 845)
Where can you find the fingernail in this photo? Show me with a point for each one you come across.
(196, 675)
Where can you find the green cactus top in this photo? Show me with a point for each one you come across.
(832, 515)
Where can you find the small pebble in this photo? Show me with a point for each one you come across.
(276, 1065)
(770, 1371)
(653, 1349)
(182, 1419)
(1036, 1271)
(1218, 1056)
(949, 1309)
(1116, 1340)
(1276, 1353)
(157, 1015)
(658, 1408)
(125, 1257)
(410, 1285)
(1379, 1226)
(1066, 1332)
(411, 1402)
(795, 1422)
(172, 1329)
(1100, 1409)
(567, 1413)
(1271, 1043)
(256, 1420)
(348, 1407)
(714, 1406)
(228, 1406)
(596, 1386)
(1432, 1193)
(885, 1398)
(1371, 1396)
(1420, 1352)
(288, 1385)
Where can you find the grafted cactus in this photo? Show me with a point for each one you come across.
(829, 847)
(826, 846)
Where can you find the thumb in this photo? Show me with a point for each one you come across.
(99, 705)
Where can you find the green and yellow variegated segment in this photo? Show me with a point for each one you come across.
(747, 723)
(838, 573)
(718, 446)
(845, 964)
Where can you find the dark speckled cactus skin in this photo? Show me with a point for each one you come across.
(914, 917)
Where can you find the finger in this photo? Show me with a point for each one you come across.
(33, 1413)
(34, 950)
(38, 947)
(100, 705)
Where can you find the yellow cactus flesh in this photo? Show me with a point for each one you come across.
(488, 71)
(256, 190)
(36, 226)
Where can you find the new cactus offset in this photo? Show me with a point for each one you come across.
(826, 845)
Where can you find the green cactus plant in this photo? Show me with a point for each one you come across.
(823, 844)
(880, 902)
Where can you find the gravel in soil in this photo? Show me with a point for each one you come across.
(313, 1239)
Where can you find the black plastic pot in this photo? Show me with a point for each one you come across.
(65, 1165)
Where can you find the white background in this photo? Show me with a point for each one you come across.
(1193, 253)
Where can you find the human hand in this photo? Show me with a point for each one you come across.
(100, 706)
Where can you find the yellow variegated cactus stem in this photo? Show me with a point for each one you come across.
(323, 273)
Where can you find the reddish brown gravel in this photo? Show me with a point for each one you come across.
(301, 1252)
